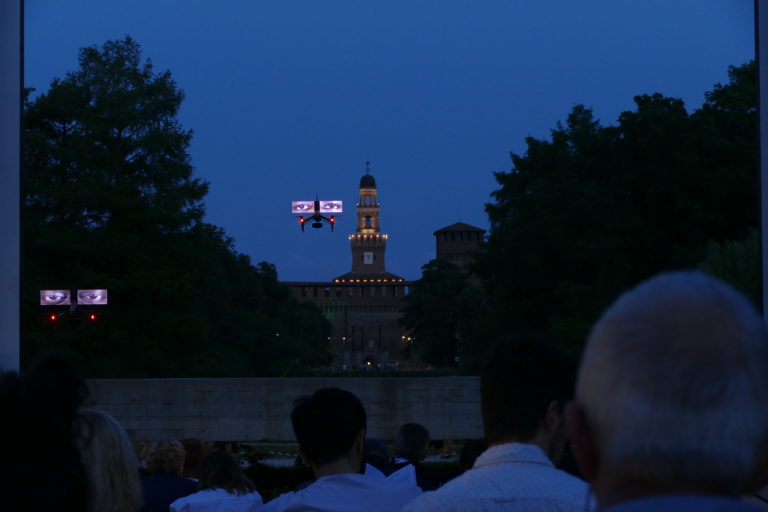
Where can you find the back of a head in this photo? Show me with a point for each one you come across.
(520, 376)
(412, 442)
(219, 470)
(195, 450)
(41, 467)
(674, 383)
(110, 462)
(326, 423)
(165, 456)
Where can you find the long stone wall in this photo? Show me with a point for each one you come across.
(259, 409)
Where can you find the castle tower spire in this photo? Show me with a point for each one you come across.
(368, 243)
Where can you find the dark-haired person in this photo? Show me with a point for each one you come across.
(165, 461)
(524, 384)
(330, 428)
(40, 468)
(411, 448)
(223, 488)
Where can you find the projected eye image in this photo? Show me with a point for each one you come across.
(331, 206)
(92, 297)
(54, 297)
(302, 206)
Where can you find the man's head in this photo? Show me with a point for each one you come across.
(412, 442)
(673, 388)
(524, 381)
(328, 425)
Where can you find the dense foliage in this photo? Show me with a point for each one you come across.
(442, 312)
(594, 209)
(110, 201)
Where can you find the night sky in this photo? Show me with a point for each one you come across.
(288, 98)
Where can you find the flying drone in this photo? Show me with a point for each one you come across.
(315, 210)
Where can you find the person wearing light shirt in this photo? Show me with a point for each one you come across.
(330, 429)
(524, 383)
(224, 487)
(671, 408)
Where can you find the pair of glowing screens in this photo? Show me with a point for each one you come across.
(90, 297)
(302, 207)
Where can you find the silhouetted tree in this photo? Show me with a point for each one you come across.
(594, 209)
(441, 311)
(110, 201)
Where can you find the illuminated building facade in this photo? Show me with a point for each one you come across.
(364, 304)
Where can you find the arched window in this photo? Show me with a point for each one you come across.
(367, 221)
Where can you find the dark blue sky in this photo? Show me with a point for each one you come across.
(291, 97)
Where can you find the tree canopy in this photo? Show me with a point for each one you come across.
(441, 312)
(110, 201)
(594, 209)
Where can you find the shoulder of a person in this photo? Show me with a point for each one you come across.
(278, 503)
(431, 500)
(204, 495)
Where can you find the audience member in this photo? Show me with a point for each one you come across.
(671, 408)
(223, 487)
(330, 429)
(41, 468)
(524, 382)
(165, 461)
(411, 448)
(112, 468)
(195, 451)
(377, 455)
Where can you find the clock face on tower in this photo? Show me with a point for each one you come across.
(368, 258)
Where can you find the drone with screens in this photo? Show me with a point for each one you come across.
(72, 307)
(315, 210)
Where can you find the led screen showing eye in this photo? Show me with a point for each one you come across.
(331, 206)
(54, 297)
(302, 206)
(92, 297)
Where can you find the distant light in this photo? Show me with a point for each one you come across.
(92, 316)
(53, 318)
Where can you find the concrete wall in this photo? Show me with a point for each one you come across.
(257, 409)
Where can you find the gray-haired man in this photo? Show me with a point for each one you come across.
(671, 409)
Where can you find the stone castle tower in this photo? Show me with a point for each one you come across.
(368, 242)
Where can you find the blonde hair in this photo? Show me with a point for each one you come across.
(111, 465)
(165, 456)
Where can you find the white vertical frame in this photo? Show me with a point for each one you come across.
(11, 62)
(761, 56)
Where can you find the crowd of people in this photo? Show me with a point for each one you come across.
(667, 410)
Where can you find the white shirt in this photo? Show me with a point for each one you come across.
(511, 476)
(217, 500)
(348, 492)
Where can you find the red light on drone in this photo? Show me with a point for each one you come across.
(53, 318)
(332, 219)
(92, 316)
